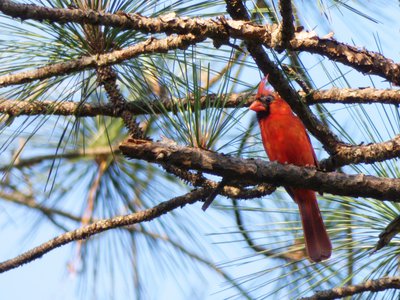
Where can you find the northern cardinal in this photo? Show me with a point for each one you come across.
(285, 140)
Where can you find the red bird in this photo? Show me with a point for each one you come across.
(285, 140)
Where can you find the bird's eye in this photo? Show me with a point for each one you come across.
(267, 99)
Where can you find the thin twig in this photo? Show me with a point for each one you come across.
(28, 162)
(101, 226)
(388, 233)
(28, 201)
(230, 191)
(287, 256)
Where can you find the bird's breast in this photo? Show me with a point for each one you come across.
(285, 140)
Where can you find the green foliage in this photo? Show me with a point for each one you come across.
(198, 116)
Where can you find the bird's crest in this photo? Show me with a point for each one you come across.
(263, 87)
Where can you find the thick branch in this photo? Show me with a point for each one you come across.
(103, 225)
(360, 59)
(376, 285)
(152, 45)
(167, 24)
(259, 171)
(287, 27)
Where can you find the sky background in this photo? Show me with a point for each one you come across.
(49, 278)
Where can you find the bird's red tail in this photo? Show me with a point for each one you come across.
(318, 244)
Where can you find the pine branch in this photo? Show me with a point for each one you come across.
(287, 26)
(101, 226)
(349, 154)
(230, 191)
(47, 107)
(253, 171)
(352, 96)
(152, 45)
(139, 107)
(345, 154)
(376, 285)
(218, 30)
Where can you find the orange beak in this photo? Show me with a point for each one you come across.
(257, 106)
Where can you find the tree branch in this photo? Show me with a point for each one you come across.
(151, 45)
(28, 162)
(230, 191)
(47, 107)
(345, 154)
(349, 154)
(220, 30)
(334, 95)
(253, 171)
(388, 233)
(103, 225)
(286, 27)
(376, 285)
(353, 96)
